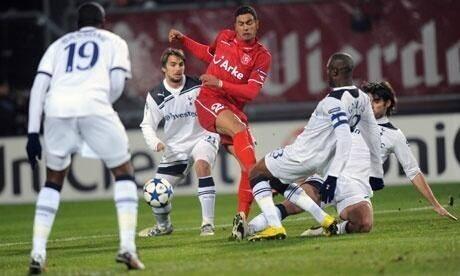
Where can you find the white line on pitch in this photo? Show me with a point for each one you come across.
(197, 228)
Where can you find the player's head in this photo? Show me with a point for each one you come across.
(246, 23)
(91, 14)
(382, 97)
(339, 70)
(173, 64)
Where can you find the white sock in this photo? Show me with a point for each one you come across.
(125, 196)
(207, 197)
(259, 223)
(297, 195)
(342, 227)
(264, 197)
(161, 215)
(45, 212)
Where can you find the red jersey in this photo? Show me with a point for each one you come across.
(241, 67)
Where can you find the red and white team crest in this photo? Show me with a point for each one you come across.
(245, 59)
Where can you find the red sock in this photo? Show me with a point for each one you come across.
(244, 150)
(245, 196)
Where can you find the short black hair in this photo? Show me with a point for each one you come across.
(381, 90)
(245, 10)
(171, 52)
(90, 14)
(346, 61)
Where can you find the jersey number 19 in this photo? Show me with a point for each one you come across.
(88, 53)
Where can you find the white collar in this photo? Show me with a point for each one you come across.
(383, 120)
(174, 90)
(344, 87)
(87, 28)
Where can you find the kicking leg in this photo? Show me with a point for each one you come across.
(260, 177)
(228, 123)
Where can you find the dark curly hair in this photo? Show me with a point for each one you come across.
(381, 90)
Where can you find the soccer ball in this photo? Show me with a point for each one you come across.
(158, 192)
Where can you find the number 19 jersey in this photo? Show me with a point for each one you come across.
(79, 64)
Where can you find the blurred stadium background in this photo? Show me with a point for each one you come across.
(413, 44)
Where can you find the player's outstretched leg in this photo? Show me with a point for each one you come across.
(240, 227)
(295, 194)
(244, 152)
(262, 191)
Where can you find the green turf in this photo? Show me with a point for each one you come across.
(84, 241)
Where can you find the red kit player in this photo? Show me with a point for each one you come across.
(238, 67)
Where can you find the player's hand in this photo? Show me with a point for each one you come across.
(376, 183)
(327, 190)
(210, 81)
(160, 147)
(34, 149)
(174, 35)
(443, 212)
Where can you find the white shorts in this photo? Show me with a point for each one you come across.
(105, 135)
(179, 162)
(286, 169)
(350, 191)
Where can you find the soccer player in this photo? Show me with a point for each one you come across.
(351, 197)
(356, 218)
(323, 147)
(394, 141)
(185, 141)
(238, 67)
(82, 74)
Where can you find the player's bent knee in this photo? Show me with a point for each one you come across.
(365, 225)
(124, 169)
(202, 168)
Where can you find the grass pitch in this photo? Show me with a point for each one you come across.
(408, 238)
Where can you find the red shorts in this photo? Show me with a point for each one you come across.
(207, 109)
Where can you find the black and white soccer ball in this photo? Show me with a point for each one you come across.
(158, 192)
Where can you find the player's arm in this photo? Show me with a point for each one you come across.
(120, 69)
(339, 122)
(370, 132)
(201, 51)
(36, 103)
(246, 91)
(149, 124)
(413, 172)
(117, 84)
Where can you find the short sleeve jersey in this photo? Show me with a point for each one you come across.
(394, 141)
(79, 64)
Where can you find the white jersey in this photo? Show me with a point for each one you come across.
(394, 141)
(182, 130)
(79, 64)
(353, 183)
(347, 106)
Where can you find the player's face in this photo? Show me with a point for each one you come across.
(174, 69)
(379, 106)
(330, 77)
(246, 27)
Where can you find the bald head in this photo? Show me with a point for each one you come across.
(340, 69)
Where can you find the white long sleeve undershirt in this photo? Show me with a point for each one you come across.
(36, 101)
